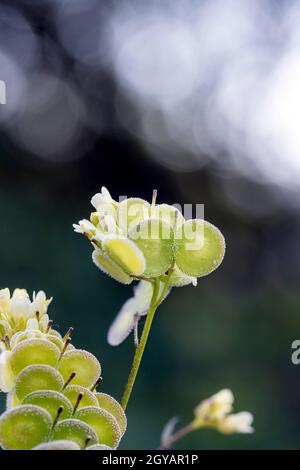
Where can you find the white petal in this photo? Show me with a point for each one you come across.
(238, 422)
(123, 323)
(143, 292)
(6, 374)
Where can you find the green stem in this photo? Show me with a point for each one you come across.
(140, 349)
(142, 344)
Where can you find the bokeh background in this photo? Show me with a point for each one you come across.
(201, 100)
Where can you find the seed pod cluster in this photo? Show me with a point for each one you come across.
(134, 239)
(52, 402)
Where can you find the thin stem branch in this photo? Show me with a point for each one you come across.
(140, 349)
(176, 436)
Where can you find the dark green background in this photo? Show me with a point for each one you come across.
(234, 330)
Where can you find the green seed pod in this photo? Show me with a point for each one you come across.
(76, 431)
(155, 238)
(86, 366)
(108, 403)
(34, 351)
(179, 279)
(24, 427)
(24, 335)
(38, 377)
(50, 401)
(169, 214)
(88, 398)
(131, 211)
(58, 445)
(106, 265)
(125, 254)
(98, 447)
(103, 423)
(200, 247)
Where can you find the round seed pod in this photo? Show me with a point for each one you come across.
(58, 445)
(86, 366)
(58, 342)
(131, 211)
(179, 279)
(103, 423)
(155, 239)
(88, 398)
(24, 427)
(106, 265)
(200, 247)
(50, 400)
(126, 254)
(76, 431)
(38, 377)
(108, 403)
(98, 447)
(24, 335)
(55, 340)
(34, 351)
(167, 213)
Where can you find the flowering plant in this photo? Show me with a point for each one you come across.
(52, 402)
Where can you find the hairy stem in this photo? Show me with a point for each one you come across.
(140, 349)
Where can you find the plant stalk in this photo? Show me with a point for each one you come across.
(140, 348)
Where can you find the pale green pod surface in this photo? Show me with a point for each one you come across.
(55, 340)
(106, 265)
(24, 335)
(58, 445)
(131, 211)
(155, 238)
(86, 366)
(179, 279)
(168, 214)
(99, 447)
(88, 398)
(200, 247)
(125, 254)
(103, 423)
(50, 401)
(34, 351)
(38, 377)
(24, 427)
(7, 379)
(74, 430)
(108, 403)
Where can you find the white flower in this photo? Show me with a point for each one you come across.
(20, 304)
(139, 305)
(18, 309)
(215, 407)
(85, 227)
(239, 422)
(40, 303)
(100, 199)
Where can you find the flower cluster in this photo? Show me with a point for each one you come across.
(51, 385)
(134, 239)
(215, 412)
